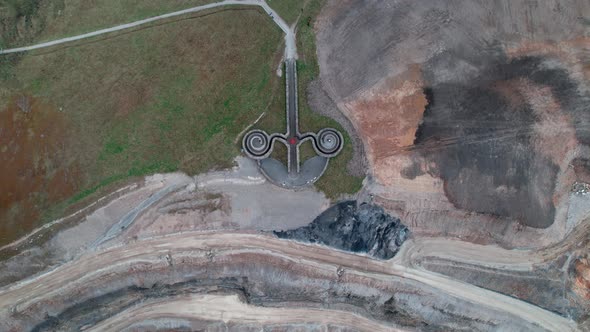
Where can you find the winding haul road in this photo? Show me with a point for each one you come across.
(94, 265)
(229, 308)
(490, 256)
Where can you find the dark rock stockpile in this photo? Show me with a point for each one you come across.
(363, 228)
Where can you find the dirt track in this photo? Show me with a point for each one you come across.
(230, 309)
(126, 262)
(470, 113)
(489, 255)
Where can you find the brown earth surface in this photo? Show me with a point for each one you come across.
(582, 281)
(33, 172)
(582, 169)
(469, 113)
(388, 116)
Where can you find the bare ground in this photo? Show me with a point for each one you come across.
(202, 238)
(470, 115)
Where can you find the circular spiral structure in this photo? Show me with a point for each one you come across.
(257, 144)
(328, 142)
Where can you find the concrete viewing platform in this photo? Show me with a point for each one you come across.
(258, 144)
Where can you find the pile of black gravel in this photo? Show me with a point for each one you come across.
(363, 228)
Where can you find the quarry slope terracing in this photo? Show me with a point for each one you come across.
(212, 255)
(176, 258)
(230, 309)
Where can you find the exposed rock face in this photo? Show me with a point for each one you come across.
(363, 228)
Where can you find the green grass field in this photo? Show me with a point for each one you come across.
(91, 115)
(336, 181)
(172, 97)
(30, 21)
(289, 10)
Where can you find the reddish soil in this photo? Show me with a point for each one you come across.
(554, 132)
(388, 116)
(34, 172)
(582, 272)
(498, 110)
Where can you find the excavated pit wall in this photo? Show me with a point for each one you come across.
(262, 280)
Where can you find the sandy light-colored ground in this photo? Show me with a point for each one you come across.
(236, 199)
(230, 309)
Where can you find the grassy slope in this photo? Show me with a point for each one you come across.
(336, 180)
(72, 17)
(157, 100)
(146, 101)
(289, 10)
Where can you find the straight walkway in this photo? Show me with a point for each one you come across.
(292, 116)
